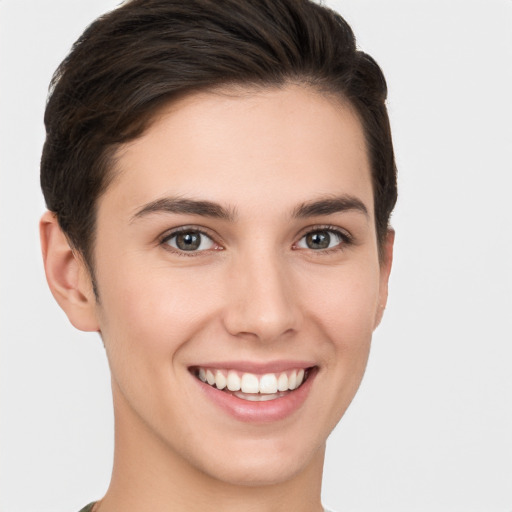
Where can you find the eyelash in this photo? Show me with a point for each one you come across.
(187, 229)
(346, 240)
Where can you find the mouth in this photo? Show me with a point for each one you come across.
(253, 387)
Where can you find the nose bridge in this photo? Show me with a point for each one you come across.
(262, 301)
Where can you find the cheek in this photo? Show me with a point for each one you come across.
(342, 308)
(153, 312)
(345, 303)
(147, 319)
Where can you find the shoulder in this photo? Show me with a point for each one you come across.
(88, 508)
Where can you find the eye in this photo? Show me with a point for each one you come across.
(322, 239)
(190, 240)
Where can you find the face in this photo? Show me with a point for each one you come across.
(236, 248)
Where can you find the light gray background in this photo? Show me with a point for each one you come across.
(431, 428)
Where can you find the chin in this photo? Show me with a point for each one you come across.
(263, 463)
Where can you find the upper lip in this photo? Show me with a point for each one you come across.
(256, 367)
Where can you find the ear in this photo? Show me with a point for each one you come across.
(385, 270)
(67, 275)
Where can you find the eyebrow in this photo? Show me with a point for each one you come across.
(204, 208)
(185, 206)
(329, 206)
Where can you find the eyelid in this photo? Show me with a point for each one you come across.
(167, 235)
(346, 236)
(324, 227)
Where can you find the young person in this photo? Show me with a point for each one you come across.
(219, 177)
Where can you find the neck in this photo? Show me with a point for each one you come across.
(149, 475)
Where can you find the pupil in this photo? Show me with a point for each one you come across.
(318, 240)
(188, 241)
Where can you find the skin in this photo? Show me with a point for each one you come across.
(257, 293)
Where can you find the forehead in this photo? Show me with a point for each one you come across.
(251, 148)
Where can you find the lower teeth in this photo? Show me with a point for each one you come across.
(257, 397)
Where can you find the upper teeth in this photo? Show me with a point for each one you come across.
(268, 383)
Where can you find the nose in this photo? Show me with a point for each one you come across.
(262, 301)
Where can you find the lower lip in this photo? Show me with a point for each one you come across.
(259, 412)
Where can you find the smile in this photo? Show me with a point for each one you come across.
(250, 386)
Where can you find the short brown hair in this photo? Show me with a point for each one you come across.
(133, 60)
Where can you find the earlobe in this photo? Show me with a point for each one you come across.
(67, 275)
(385, 270)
